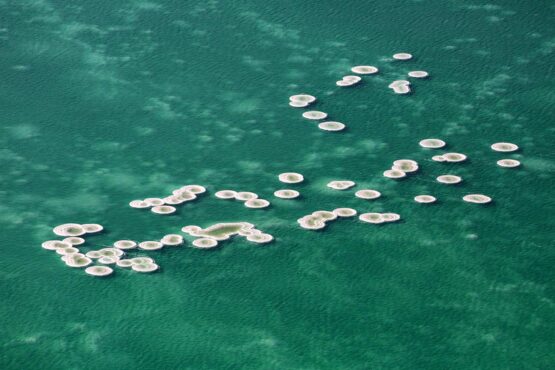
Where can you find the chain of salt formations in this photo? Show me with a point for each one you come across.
(164, 206)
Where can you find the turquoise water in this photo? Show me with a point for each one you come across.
(104, 102)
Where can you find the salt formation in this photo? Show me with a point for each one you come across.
(368, 194)
(449, 179)
(364, 70)
(331, 126)
(400, 86)
(402, 56)
(314, 115)
(301, 100)
(504, 147)
(165, 205)
(209, 237)
(348, 81)
(317, 220)
(418, 74)
(424, 199)
(379, 218)
(286, 193)
(477, 198)
(291, 177)
(432, 143)
(340, 184)
(507, 163)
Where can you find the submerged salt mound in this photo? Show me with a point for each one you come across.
(340, 184)
(371, 217)
(364, 70)
(109, 252)
(93, 254)
(394, 174)
(226, 194)
(205, 243)
(150, 245)
(331, 126)
(424, 199)
(172, 239)
(504, 147)
(418, 74)
(163, 210)
(345, 212)
(141, 260)
(314, 115)
(454, 157)
(125, 244)
(432, 143)
(449, 179)
(477, 198)
(257, 203)
(291, 177)
(507, 163)
(402, 56)
(99, 270)
(69, 230)
(286, 193)
(368, 194)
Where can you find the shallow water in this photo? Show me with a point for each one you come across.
(108, 101)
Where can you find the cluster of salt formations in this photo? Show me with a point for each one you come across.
(314, 115)
(317, 220)
(209, 237)
(348, 81)
(368, 194)
(301, 100)
(249, 198)
(400, 86)
(379, 218)
(477, 198)
(400, 168)
(75, 230)
(331, 126)
(286, 193)
(164, 206)
(432, 143)
(425, 199)
(506, 148)
(449, 179)
(340, 184)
